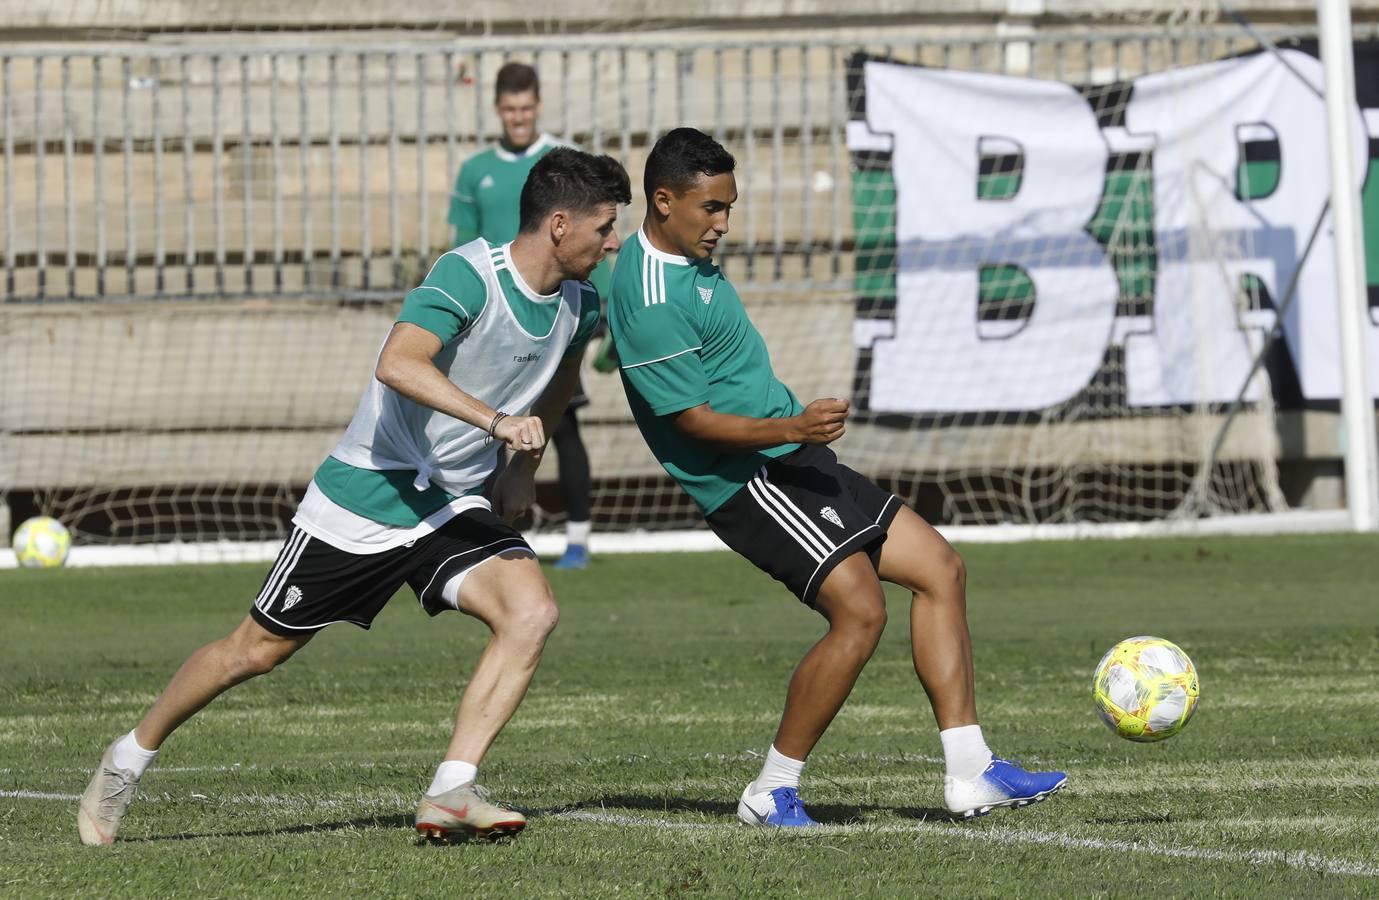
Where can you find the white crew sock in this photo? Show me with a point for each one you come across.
(778, 771)
(451, 774)
(965, 751)
(577, 533)
(127, 754)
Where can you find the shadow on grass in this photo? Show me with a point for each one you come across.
(724, 811)
(926, 814)
(399, 820)
(825, 814)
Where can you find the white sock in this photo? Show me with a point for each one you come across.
(577, 533)
(451, 774)
(127, 754)
(779, 771)
(965, 751)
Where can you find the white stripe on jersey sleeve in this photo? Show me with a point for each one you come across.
(664, 358)
(646, 298)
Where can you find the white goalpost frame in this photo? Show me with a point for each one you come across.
(1357, 401)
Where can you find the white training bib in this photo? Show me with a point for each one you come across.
(495, 360)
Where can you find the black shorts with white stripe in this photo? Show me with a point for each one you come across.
(801, 515)
(313, 584)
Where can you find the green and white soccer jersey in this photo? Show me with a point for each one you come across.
(485, 202)
(684, 338)
(487, 198)
(403, 469)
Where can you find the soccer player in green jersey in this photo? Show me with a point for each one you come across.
(699, 381)
(484, 204)
(484, 354)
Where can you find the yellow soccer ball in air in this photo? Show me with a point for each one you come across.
(42, 543)
(1145, 689)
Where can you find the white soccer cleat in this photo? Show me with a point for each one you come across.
(779, 808)
(1002, 784)
(466, 811)
(104, 803)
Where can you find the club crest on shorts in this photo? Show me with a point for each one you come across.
(831, 515)
(290, 599)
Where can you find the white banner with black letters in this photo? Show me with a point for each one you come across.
(1193, 343)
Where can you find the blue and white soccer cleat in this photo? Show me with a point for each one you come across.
(1002, 784)
(576, 556)
(780, 808)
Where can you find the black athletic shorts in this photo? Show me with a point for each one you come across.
(313, 584)
(801, 515)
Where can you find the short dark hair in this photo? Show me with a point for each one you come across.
(680, 157)
(514, 78)
(570, 179)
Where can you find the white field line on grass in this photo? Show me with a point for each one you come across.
(1293, 859)
(1004, 835)
(38, 795)
(234, 767)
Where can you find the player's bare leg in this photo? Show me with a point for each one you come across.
(247, 651)
(511, 596)
(917, 557)
(855, 607)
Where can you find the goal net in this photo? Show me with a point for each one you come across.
(1062, 276)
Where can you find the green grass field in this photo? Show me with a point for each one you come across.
(657, 694)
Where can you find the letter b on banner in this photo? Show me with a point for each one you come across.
(938, 355)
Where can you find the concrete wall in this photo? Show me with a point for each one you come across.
(258, 392)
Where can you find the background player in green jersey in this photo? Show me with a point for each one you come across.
(484, 204)
(399, 500)
(699, 381)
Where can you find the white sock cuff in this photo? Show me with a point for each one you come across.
(578, 532)
(450, 774)
(779, 770)
(961, 733)
(965, 752)
(780, 759)
(127, 754)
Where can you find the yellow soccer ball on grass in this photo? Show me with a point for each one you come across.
(42, 543)
(1145, 688)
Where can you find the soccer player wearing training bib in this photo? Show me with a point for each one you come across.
(757, 462)
(485, 353)
(484, 204)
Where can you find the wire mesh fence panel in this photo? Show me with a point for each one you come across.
(206, 241)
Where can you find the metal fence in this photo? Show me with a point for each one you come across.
(326, 170)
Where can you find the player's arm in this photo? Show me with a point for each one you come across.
(659, 347)
(407, 366)
(822, 422)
